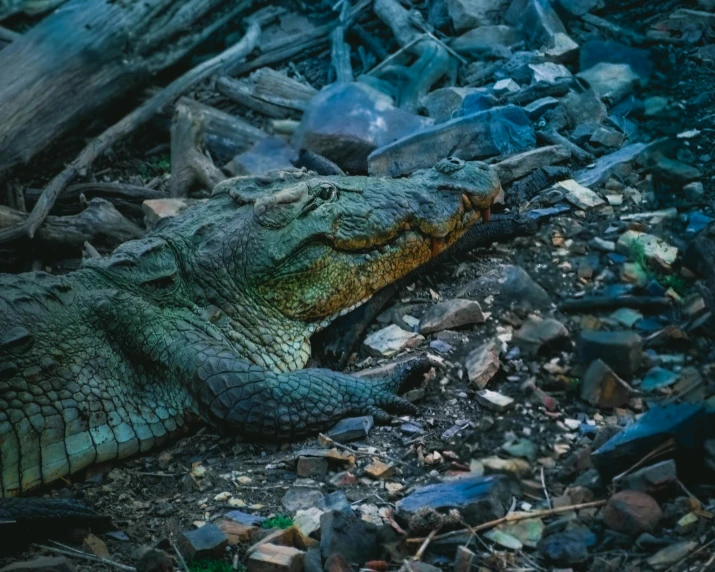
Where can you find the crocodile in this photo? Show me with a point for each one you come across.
(208, 318)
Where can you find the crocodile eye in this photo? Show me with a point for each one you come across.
(326, 191)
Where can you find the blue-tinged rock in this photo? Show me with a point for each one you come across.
(697, 221)
(688, 424)
(657, 378)
(479, 499)
(501, 130)
(569, 547)
(244, 518)
(596, 51)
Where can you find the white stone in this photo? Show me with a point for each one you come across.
(549, 72)
(494, 400)
(654, 248)
(483, 364)
(503, 86)
(578, 195)
(391, 340)
(611, 81)
(308, 520)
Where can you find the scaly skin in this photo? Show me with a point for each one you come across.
(209, 317)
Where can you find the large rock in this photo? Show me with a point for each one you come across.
(483, 363)
(601, 386)
(486, 38)
(501, 130)
(345, 122)
(536, 18)
(509, 285)
(344, 533)
(584, 107)
(467, 14)
(451, 314)
(209, 541)
(391, 340)
(594, 52)
(520, 165)
(632, 512)
(612, 82)
(479, 499)
(622, 350)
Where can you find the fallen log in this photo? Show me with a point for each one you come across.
(88, 54)
(129, 123)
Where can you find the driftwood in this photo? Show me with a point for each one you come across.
(28, 7)
(100, 223)
(117, 131)
(189, 164)
(340, 50)
(53, 80)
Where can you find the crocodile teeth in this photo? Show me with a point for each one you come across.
(486, 214)
(467, 203)
(438, 245)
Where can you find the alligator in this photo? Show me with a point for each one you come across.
(208, 318)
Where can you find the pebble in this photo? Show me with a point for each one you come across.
(443, 104)
(537, 334)
(379, 470)
(549, 72)
(578, 195)
(275, 558)
(351, 429)
(209, 541)
(632, 512)
(236, 532)
(244, 518)
(670, 555)
(451, 314)
(494, 400)
(391, 340)
(483, 363)
(94, 545)
(309, 467)
(622, 350)
(510, 285)
(600, 386)
(658, 378)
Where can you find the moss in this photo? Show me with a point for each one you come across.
(279, 521)
(210, 566)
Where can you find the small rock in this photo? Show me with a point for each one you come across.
(379, 470)
(521, 448)
(155, 560)
(510, 285)
(444, 103)
(634, 273)
(344, 122)
(536, 18)
(626, 317)
(561, 48)
(505, 86)
(667, 557)
(41, 564)
(565, 548)
(652, 479)
(275, 558)
(94, 545)
(585, 108)
(494, 400)
(654, 106)
(594, 52)
(479, 499)
(632, 512)
(344, 533)
(537, 334)
(612, 82)
(622, 350)
(310, 467)
(351, 428)
(297, 498)
(600, 386)
(654, 248)
(236, 532)
(549, 72)
(524, 163)
(483, 364)
(514, 467)
(528, 532)
(658, 378)
(540, 106)
(686, 523)
(484, 38)
(343, 479)
(503, 539)
(607, 137)
(578, 195)
(391, 340)
(601, 244)
(605, 166)
(468, 14)
(451, 314)
(205, 542)
(308, 521)
(335, 501)
(500, 130)
(694, 191)
(464, 559)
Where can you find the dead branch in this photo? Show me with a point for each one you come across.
(125, 126)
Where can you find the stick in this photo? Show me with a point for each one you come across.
(179, 557)
(142, 114)
(515, 518)
(354, 452)
(422, 549)
(71, 552)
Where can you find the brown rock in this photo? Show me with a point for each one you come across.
(155, 560)
(601, 386)
(483, 364)
(632, 512)
(205, 542)
(337, 563)
(236, 532)
(379, 470)
(275, 558)
(95, 545)
(451, 314)
(309, 467)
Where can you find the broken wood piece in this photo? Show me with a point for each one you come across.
(340, 50)
(125, 126)
(100, 223)
(115, 47)
(190, 167)
(240, 92)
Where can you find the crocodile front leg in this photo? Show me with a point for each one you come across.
(234, 393)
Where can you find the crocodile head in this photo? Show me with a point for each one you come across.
(315, 246)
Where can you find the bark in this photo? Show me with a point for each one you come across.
(88, 54)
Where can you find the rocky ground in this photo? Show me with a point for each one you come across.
(568, 421)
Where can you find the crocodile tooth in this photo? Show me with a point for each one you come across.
(486, 214)
(467, 203)
(438, 245)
